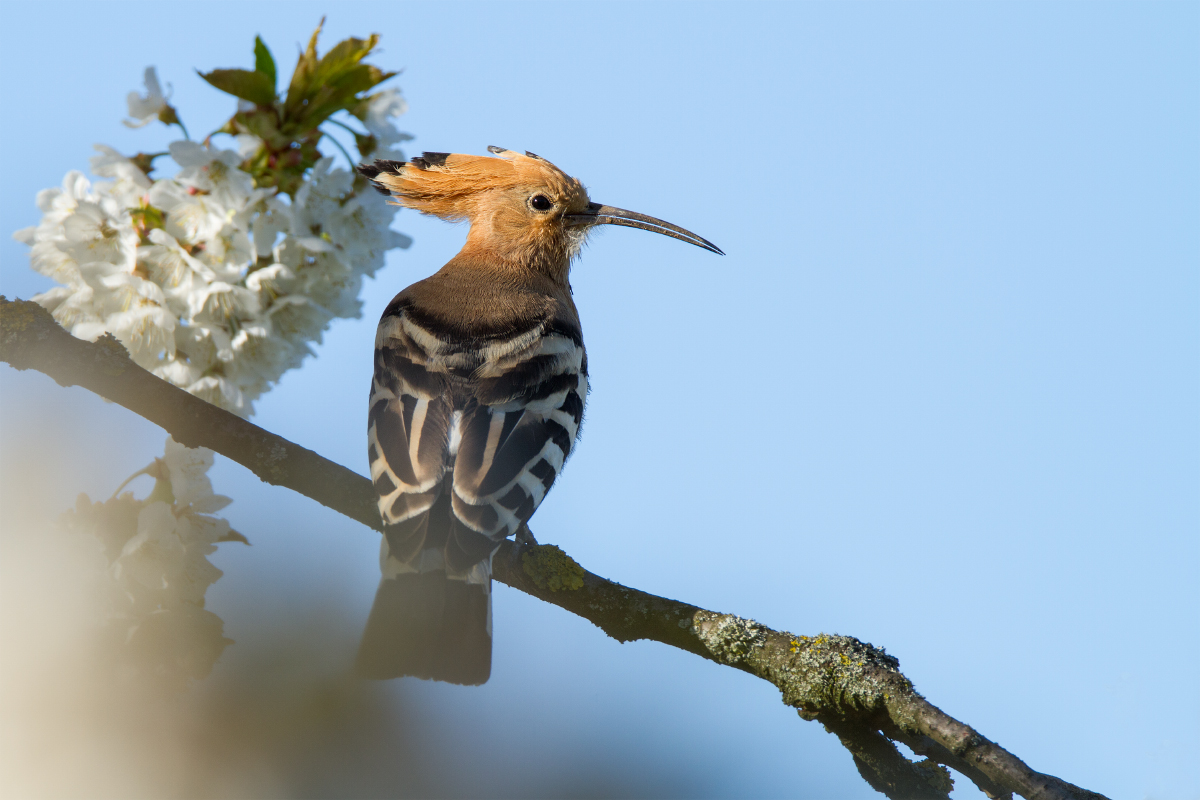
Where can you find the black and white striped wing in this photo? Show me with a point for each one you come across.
(408, 435)
(520, 404)
(512, 452)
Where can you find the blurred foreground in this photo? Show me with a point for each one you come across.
(280, 716)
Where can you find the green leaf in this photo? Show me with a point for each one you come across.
(341, 93)
(344, 56)
(264, 62)
(246, 84)
(323, 86)
(299, 88)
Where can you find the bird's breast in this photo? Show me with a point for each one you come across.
(531, 361)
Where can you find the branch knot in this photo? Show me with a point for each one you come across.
(828, 671)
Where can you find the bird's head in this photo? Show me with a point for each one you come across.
(522, 209)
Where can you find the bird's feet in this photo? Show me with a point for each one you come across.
(524, 537)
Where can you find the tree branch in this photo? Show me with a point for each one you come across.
(856, 690)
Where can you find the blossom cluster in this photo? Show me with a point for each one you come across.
(156, 561)
(221, 277)
(218, 278)
(211, 283)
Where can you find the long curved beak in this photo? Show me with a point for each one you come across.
(597, 214)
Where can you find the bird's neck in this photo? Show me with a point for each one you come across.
(513, 261)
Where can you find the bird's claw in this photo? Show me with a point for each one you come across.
(524, 537)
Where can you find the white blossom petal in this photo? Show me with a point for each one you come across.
(188, 468)
(144, 108)
(384, 106)
(156, 554)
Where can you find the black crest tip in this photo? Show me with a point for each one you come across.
(534, 155)
(433, 159)
(391, 167)
(372, 172)
(493, 149)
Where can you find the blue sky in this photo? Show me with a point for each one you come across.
(941, 394)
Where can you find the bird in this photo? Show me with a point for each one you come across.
(480, 379)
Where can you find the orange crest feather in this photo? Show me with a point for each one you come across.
(452, 186)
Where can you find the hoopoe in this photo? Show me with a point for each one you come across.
(480, 381)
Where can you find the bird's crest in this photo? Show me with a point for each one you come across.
(525, 213)
(452, 185)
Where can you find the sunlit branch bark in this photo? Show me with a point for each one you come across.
(856, 690)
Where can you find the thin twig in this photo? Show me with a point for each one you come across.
(856, 690)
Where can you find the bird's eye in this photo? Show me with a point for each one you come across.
(539, 202)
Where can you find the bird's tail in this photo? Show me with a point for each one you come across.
(428, 625)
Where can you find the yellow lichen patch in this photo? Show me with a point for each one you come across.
(798, 642)
(837, 672)
(552, 569)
